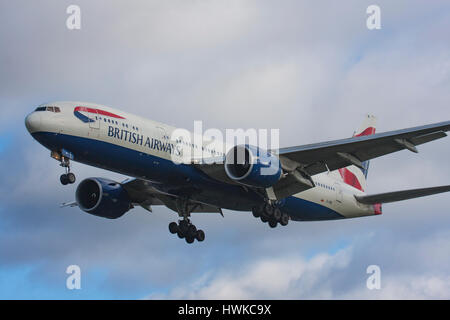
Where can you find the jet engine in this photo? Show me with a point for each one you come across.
(252, 166)
(103, 198)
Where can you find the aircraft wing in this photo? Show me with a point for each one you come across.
(145, 195)
(401, 195)
(301, 162)
(142, 193)
(331, 155)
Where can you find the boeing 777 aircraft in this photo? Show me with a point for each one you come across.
(321, 181)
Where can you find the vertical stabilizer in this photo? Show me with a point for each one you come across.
(352, 175)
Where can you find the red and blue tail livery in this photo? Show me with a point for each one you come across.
(351, 174)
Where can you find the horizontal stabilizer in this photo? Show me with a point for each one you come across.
(401, 195)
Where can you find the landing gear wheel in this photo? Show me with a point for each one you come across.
(71, 177)
(189, 239)
(180, 234)
(273, 223)
(184, 225)
(268, 209)
(173, 227)
(284, 219)
(191, 232)
(200, 235)
(256, 212)
(64, 179)
(277, 214)
(264, 218)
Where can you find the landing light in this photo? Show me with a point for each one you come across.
(55, 155)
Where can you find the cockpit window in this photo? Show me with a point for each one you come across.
(49, 108)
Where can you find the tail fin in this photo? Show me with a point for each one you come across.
(353, 175)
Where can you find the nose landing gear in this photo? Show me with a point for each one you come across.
(68, 177)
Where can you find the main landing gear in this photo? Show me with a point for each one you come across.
(271, 214)
(184, 228)
(68, 177)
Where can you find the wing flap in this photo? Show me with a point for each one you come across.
(401, 195)
(144, 194)
(428, 137)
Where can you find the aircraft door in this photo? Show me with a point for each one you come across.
(339, 193)
(94, 124)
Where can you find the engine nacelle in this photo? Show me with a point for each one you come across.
(102, 197)
(252, 166)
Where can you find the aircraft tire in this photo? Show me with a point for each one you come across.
(173, 227)
(284, 219)
(64, 179)
(200, 235)
(277, 214)
(189, 239)
(273, 223)
(184, 226)
(256, 212)
(191, 231)
(268, 209)
(71, 178)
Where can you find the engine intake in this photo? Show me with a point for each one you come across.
(103, 198)
(252, 166)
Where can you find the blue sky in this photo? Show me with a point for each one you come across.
(311, 69)
(5, 141)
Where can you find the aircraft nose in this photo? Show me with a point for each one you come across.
(33, 122)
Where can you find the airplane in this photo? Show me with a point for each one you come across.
(313, 182)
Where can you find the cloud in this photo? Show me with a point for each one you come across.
(341, 275)
(280, 278)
